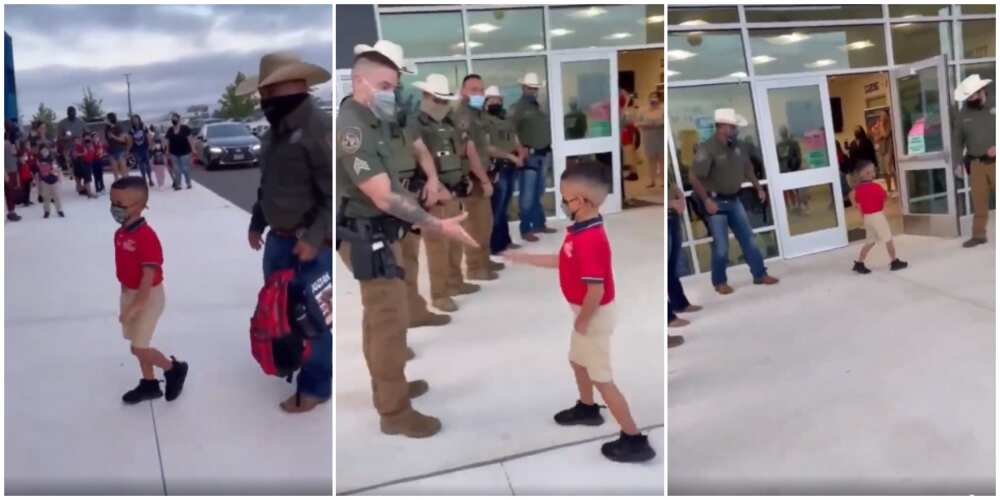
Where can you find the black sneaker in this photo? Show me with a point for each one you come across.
(175, 378)
(147, 389)
(61, 214)
(46, 216)
(13, 217)
(581, 414)
(859, 267)
(628, 449)
(973, 242)
(177, 188)
(897, 264)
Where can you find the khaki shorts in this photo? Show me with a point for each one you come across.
(141, 327)
(593, 350)
(877, 228)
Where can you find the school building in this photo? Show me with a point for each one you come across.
(806, 78)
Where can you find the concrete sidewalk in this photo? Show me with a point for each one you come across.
(837, 383)
(499, 372)
(66, 364)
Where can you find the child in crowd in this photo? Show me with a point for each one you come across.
(81, 169)
(139, 267)
(48, 180)
(158, 160)
(587, 283)
(93, 158)
(870, 198)
(26, 172)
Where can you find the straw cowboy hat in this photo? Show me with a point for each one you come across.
(389, 50)
(530, 80)
(492, 91)
(729, 116)
(278, 67)
(437, 86)
(970, 86)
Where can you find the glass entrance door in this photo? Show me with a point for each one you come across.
(801, 161)
(923, 148)
(584, 116)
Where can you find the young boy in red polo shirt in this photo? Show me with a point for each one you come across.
(870, 197)
(139, 267)
(587, 283)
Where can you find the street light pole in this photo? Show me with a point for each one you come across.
(128, 89)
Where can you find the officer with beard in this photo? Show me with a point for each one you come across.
(975, 133)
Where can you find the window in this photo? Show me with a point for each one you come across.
(505, 30)
(702, 55)
(913, 42)
(920, 112)
(605, 26)
(917, 10)
(979, 9)
(979, 39)
(432, 34)
(788, 13)
(505, 73)
(697, 16)
(816, 49)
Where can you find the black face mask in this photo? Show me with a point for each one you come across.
(276, 108)
(175, 121)
(975, 104)
(495, 110)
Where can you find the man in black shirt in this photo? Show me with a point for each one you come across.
(179, 149)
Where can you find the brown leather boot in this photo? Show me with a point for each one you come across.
(465, 289)
(674, 341)
(724, 289)
(417, 388)
(301, 403)
(482, 275)
(410, 354)
(529, 237)
(690, 309)
(766, 280)
(497, 266)
(410, 423)
(445, 304)
(430, 319)
(679, 322)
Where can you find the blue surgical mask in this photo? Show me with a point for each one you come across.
(383, 103)
(120, 214)
(476, 101)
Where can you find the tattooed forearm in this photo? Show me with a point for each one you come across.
(404, 208)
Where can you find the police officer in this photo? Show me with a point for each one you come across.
(469, 119)
(721, 165)
(438, 142)
(294, 197)
(505, 158)
(532, 125)
(373, 210)
(976, 137)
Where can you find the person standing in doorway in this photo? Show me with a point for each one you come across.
(179, 150)
(720, 168)
(650, 125)
(532, 126)
(976, 138)
(505, 160)
(882, 137)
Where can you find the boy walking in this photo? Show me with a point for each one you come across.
(139, 267)
(587, 283)
(870, 198)
(48, 185)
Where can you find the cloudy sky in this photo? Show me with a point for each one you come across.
(178, 55)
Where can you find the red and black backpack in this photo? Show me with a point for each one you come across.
(279, 348)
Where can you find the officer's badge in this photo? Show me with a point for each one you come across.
(463, 124)
(360, 166)
(350, 140)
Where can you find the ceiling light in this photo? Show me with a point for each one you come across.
(560, 32)
(789, 38)
(821, 63)
(863, 44)
(738, 74)
(762, 59)
(679, 55)
(483, 28)
(472, 45)
(591, 12)
(654, 20)
(671, 72)
(617, 36)
(693, 22)
(536, 46)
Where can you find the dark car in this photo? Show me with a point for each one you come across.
(227, 144)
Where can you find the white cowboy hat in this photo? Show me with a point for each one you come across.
(492, 91)
(970, 86)
(530, 80)
(729, 117)
(389, 50)
(278, 67)
(437, 86)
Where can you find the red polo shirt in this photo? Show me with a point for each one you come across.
(871, 197)
(136, 246)
(585, 257)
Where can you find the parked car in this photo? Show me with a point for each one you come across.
(226, 144)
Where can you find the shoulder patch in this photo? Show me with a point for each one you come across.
(360, 166)
(350, 141)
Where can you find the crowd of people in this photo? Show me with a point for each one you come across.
(37, 161)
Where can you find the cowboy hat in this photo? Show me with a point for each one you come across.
(970, 86)
(390, 51)
(437, 86)
(530, 80)
(729, 116)
(492, 91)
(278, 67)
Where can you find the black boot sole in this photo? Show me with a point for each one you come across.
(642, 456)
(591, 422)
(147, 397)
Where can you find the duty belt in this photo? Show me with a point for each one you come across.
(722, 196)
(982, 158)
(390, 228)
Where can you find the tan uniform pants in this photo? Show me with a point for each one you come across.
(984, 181)
(416, 305)
(49, 194)
(383, 334)
(444, 257)
(479, 225)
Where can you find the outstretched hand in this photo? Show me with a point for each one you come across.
(452, 229)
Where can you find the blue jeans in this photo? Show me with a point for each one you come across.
(503, 190)
(97, 167)
(316, 376)
(675, 292)
(532, 187)
(732, 214)
(182, 165)
(142, 163)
